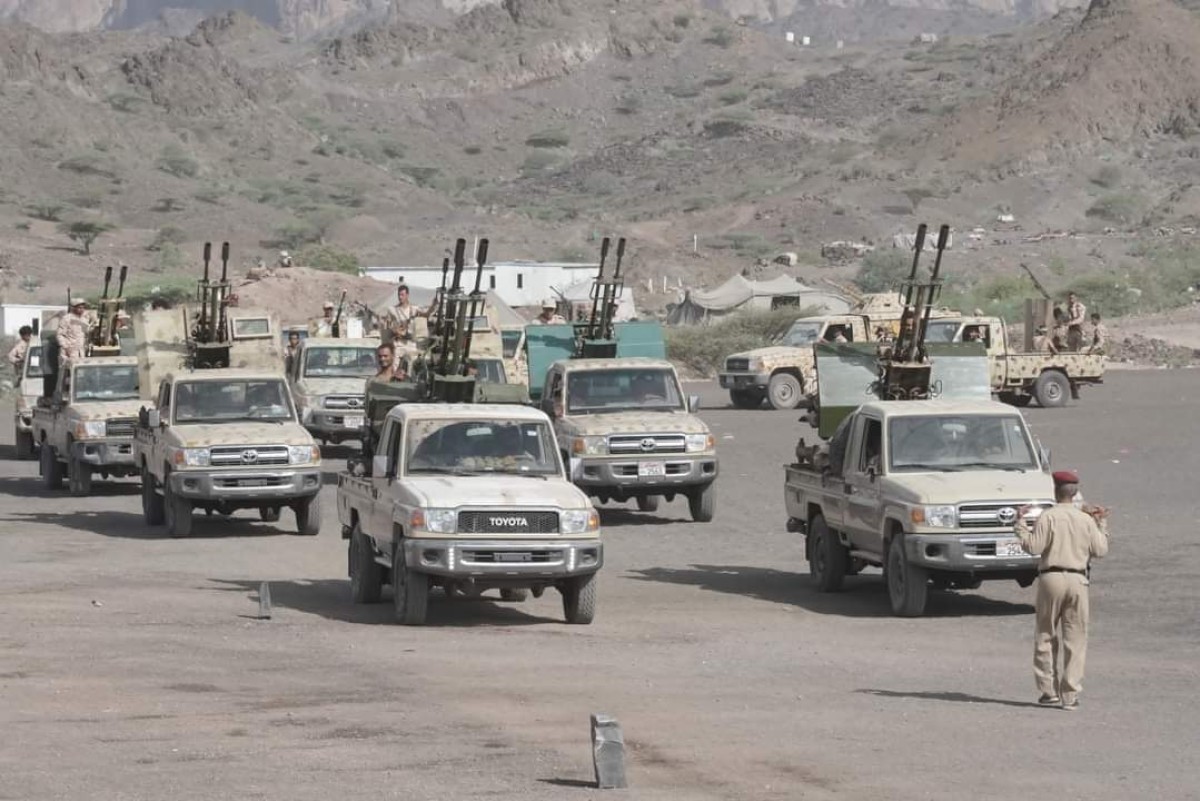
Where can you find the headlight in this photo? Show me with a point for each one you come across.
(754, 365)
(192, 457)
(303, 454)
(700, 442)
(90, 429)
(936, 516)
(435, 521)
(589, 446)
(577, 521)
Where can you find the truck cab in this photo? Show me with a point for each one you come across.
(328, 378)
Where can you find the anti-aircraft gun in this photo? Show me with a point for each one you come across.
(208, 344)
(104, 339)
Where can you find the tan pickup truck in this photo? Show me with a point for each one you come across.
(86, 426)
(927, 490)
(328, 378)
(468, 497)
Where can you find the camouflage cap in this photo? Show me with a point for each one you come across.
(77, 301)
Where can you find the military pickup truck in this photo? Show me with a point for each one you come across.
(628, 432)
(1017, 376)
(784, 373)
(28, 390)
(86, 426)
(328, 379)
(468, 497)
(928, 490)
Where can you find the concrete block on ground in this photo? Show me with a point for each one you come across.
(608, 752)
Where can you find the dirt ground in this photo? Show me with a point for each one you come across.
(132, 666)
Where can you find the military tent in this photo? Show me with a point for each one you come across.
(699, 306)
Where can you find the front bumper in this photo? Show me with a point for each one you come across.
(104, 453)
(504, 559)
(679, 470)
(744, 380)
(332, 425)
(246, 485)
(977, 553)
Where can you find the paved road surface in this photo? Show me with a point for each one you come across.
(131, 666)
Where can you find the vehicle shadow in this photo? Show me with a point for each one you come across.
(616, 516)
(131, 526)
(861, 596)
(31, 487)
(330, 599)
(963, 698)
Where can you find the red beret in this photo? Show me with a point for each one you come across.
(1065, 477)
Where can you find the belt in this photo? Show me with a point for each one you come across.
(1063, 570)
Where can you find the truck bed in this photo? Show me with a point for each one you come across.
(1080, 367)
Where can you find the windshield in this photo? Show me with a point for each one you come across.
(959, 442)
(229, 401)
(339, 363)
(33, 362)
(490, 371)
(943, 331)
(801, 334)
(110, 382)
(481, 446)
(510, 340)
(620, 389)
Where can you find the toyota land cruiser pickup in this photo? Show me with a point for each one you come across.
(328, 378)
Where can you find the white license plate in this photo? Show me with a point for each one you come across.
(353, 422)
(651, 469)
(1009, 548)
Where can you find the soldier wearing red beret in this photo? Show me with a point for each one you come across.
(1066, 539)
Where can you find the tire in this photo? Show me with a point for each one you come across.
(79, 478)
(308, 516)
(514, 594)
(410, 591)
(647, 503)
(52, 469)
(1019, 399)
(747, 398)
(153, 509)
(269, 514)
(1052, 389)
(908, 584)
(579, 599)
(366, 575)
(828, 558)
(784, 391)
(178, 512)
(24, 444)
(702, 503)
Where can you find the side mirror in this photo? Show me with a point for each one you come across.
(1044, 456)
(872, 471)
(693, 403)
(154, 418)
(379, 465)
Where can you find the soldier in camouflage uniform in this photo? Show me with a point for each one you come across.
(73, 330)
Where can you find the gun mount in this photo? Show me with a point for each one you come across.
(103, 339)
(595, 339)
(905, 369)
(208, 344)
(336, 327)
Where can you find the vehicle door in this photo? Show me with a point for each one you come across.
(379, 519)
(552, 405)
(994, 338)
(156, 456)
(861, 480)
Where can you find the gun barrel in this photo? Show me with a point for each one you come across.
(480, 260)
(593, 322)
(224, 262)
(207, 258)
(934, 283)
(912, 275)
(107, 281)
(121, 280)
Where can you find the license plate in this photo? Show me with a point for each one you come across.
(651, 469)
(514, 557)
(1009, 548)
(353, 422)
(253, 482)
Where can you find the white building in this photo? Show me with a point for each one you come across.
(518, 283)
(15, 315)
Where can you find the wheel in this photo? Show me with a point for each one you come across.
(579, 599)
(784, 391)
(152, 503)
(52, 470)
(1051, 389)
(410, 591)
(79, 478)
(269, 514)
(908, 585)
(828, 558)
(178, 512)
(514, 594)
(366, 575)
(647, 503)
(308, 516)
(747, 398)
(1019, 399)
(701, 503)
(24, 444)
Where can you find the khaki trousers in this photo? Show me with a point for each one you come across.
(1062, 621)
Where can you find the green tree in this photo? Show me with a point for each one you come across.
(882, 269)
(327, 257)
(84, 232)
(175, 161)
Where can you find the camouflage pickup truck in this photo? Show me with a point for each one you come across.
(628, 432)
(328, 378)
(1018, 377)
(86, 426)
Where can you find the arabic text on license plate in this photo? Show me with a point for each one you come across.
(501, 556)
(253, 482)
(646, 469)
(353, 422)
(1009, 548)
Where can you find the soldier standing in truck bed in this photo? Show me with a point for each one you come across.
(1076, 317)
(1099, 335)
(1042, 342)
(73, 330)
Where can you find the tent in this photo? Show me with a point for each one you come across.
(504, 315)
(740, 293)
(579, 295)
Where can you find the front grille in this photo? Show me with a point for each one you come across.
(345, 402)
(647, 443)
(737, 365)
(532, 557)
(121, 427)
(508, 522)
(987, 515)
(249, 456)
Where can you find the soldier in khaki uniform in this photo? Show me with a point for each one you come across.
(1076, 317)
(73, 330)
(1099, 335)
(1042, 342)
(16, 356)
(1066, 539)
